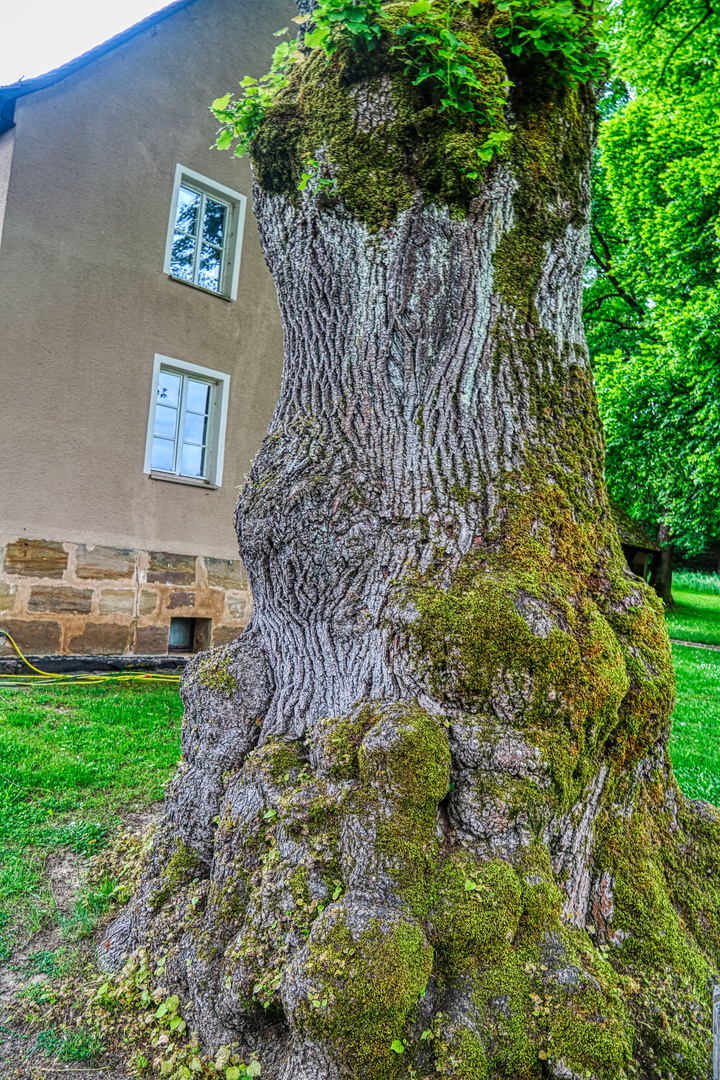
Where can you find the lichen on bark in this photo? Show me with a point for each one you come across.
(425, 800)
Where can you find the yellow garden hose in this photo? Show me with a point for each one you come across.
(45, 678)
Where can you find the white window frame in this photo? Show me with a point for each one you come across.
(230, 270)
(217, 421)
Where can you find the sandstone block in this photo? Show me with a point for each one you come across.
(60, 598)
(32, 636)
(104, 563)
(7, 596)
(103, 639)
(148, 601)
(117, 601)
(222, 635)
(171, 569)
(35, 558)
(151, 640)
(226, 573)
(235, 607)
(181, 599)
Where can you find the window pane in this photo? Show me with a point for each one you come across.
(163, 455)
(187, 211)
(192, 460)
(183, 256)
(165, 422)
(197, 396)
(168, 389)
(214, 222)
(209, 269)
(194, 431)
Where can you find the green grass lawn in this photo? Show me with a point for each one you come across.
(695, 742)
(695, 617)
(73, 759)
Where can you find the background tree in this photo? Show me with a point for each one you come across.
(652, 306)
(425, 823)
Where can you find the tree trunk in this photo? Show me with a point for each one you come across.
(663, 566)
(425, 817)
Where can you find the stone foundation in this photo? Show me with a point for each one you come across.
(80, 599)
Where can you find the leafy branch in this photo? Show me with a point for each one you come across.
(566, 36)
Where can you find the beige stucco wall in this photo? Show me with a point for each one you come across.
(7, 143)
(84, 303)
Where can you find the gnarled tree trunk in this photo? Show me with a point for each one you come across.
(425, 817)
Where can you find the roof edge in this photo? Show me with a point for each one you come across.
(12, 91)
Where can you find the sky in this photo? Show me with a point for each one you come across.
(38, 35)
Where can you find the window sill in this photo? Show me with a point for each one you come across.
(190, 481)
(200, 288)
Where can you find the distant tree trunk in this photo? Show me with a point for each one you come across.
(425, 818)
(661, 579)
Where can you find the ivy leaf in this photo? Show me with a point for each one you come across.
(419, 7)
(397, 1046)
(233, 1073)
(253, 1069)
(220, 103)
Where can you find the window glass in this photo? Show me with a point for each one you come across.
(214, 222)
(201, 263)
(209, 271)
(182, 259)
(182, 406)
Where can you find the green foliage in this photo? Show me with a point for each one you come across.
(437, 42)
(435, 55)
(652, 300)
(661, 413)
(343, 22)
(565, 34)
(320, 182)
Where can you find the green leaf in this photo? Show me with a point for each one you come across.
(253, 1069)
(233, 1073)
(397, 1046)
(224, 140)
(220, 103)
(419, 7)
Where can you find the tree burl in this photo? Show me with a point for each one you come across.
(425, 822)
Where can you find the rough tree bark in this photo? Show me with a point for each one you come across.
(426, 798)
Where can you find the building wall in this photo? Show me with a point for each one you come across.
(84, 308)
(7, 143)
(93, 600)
(84, 303)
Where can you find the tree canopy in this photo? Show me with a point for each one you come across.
(652, 304)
